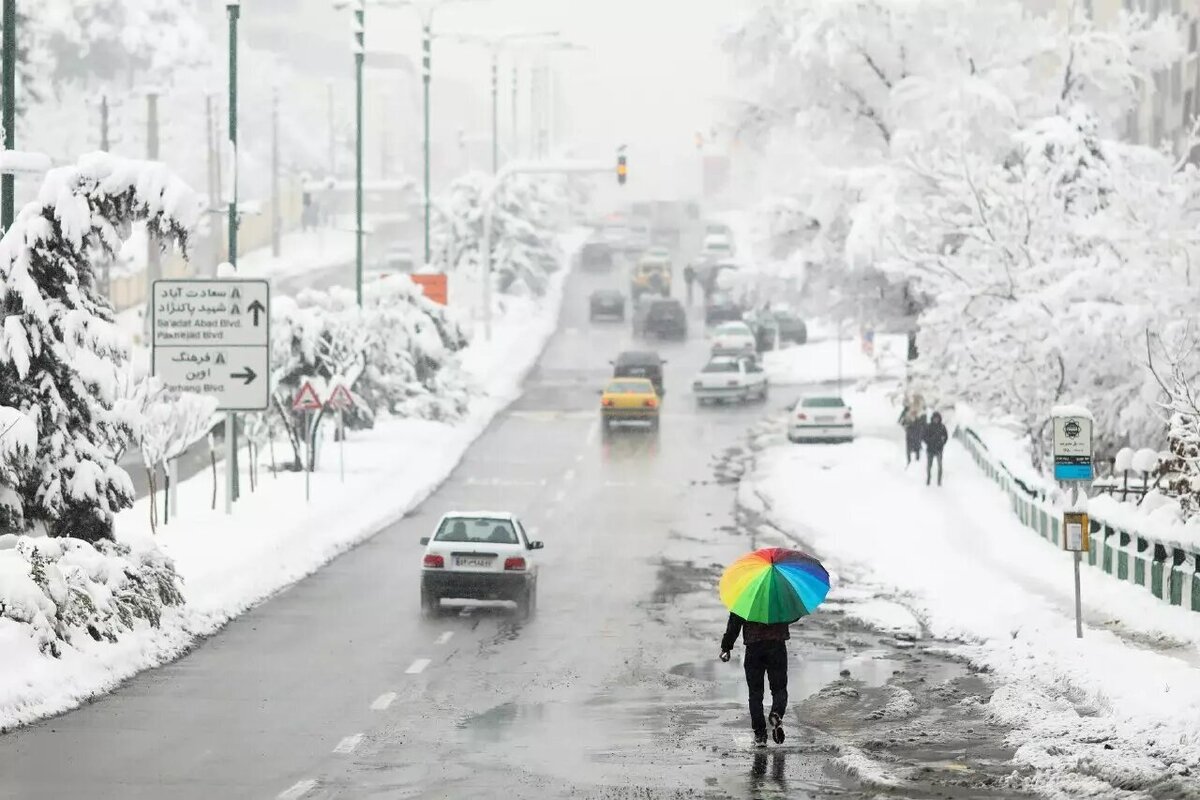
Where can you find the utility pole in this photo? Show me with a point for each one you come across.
(231, 459)
(153, 254)
(276, 247)
(8, 117)
(426, 77)
(360, 54)
(516, 130)
(495, 110)
(214, 180)
(104, 143)
(332, 134)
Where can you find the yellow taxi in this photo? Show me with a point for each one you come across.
(651, 274)
(629, 400)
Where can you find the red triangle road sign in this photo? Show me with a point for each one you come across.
(306, 399)
(341, 399)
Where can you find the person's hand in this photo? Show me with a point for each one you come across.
(724, 655)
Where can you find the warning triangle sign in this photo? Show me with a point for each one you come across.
(306, 399)
(341, 399)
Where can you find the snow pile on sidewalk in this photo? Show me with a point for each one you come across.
(228, 564)
(817, 362)
(1117, 710)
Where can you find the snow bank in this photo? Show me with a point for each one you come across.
(1082, 709)
(228, 564)
(817, 362)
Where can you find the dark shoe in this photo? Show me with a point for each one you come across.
(760, 739)
(776, 728)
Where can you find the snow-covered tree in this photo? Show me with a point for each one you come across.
(60, 351)
(525, 225)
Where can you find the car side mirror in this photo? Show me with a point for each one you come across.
(536, 545)
(600, 392)
(424, 540)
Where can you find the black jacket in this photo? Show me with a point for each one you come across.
(935, 436)
(753, 632)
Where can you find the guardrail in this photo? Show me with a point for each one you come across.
(1168, 571)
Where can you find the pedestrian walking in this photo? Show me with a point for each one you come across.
(689, 278)
(935, 436)
(766, 657)
(912, 419)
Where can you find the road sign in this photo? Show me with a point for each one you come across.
(434, 286)
(306, 399)
(1076, 533)
(1072, 447)
(213, 337)
(340, 399)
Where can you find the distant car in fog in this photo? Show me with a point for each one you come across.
(596, 256)
(641, 364)
(664, 318)
(607, 303)
(733, 338)
(399, 258)
(730, 378)
(716, 246)
(823, 418)
(720, 308)
(791, 327)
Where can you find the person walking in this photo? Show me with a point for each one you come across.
(935, 437)
(689, 279)
(912, 419)
(766, 656)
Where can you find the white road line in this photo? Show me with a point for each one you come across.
(383, 701)
(348, 744)
(593, 429)
(569, 475)
(296, 792)
(417, 667)
(579, 458)
(548, 513)
(560, 495)
(445, 637)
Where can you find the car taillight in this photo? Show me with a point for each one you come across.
(847, 416)
(434, 561)
(607, 402)
(801, 415)
(651, 403)
(514, 564)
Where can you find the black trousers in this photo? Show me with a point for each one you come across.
(769, 660)
(931, 455)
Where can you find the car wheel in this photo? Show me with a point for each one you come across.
(654, 425)
(763, 393)
(431, 604)
(526, 602)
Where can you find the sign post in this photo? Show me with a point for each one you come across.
(213, 337)
(340, 400)
(307, 400)
(1073, 465)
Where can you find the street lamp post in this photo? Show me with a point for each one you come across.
(9, 121)
(360, 54)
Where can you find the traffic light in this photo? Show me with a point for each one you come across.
(622, 169)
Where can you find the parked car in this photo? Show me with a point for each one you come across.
(730, 378)
(641, 364)
(734, 338)
(664, 318)
(606, 303)
(821, 418)
(791, 327)
(479, 555)
(716, 246)
(629, 400)
(720, 308)
(596, 257)
(766, 330)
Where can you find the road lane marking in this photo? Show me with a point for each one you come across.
(569, 475)
(579, 458)
(296, 792)
(383, 701)
(418, 666)
(593, 429)
(445, 637)
(560, 495)
(348, 744)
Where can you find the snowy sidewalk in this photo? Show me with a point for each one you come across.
(1123, 700)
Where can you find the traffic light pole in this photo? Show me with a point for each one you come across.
(9, 121)
(488, 201)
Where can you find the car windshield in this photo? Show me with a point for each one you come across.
(822, 402)
(733, 329)
(721, 365)
(476, 530)
(629, 387)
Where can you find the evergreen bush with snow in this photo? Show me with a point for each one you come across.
(529, 213)
(60, 352)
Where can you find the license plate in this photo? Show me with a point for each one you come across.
(472, 562)
(825, 419)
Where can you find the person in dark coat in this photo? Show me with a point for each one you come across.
(935, 436)
(766, 656)
(689, 279)
(913, 422)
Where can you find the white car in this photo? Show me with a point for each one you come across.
(730, 378)
(716, 246)
(479, 555)
(733, 338)
(823, 418)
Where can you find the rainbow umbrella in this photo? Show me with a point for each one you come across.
(774, 585)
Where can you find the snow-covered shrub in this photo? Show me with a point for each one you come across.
(529, 212)
(64, 588)
(396, 354)
(60, 352)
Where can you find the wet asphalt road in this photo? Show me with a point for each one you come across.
(337, 688)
